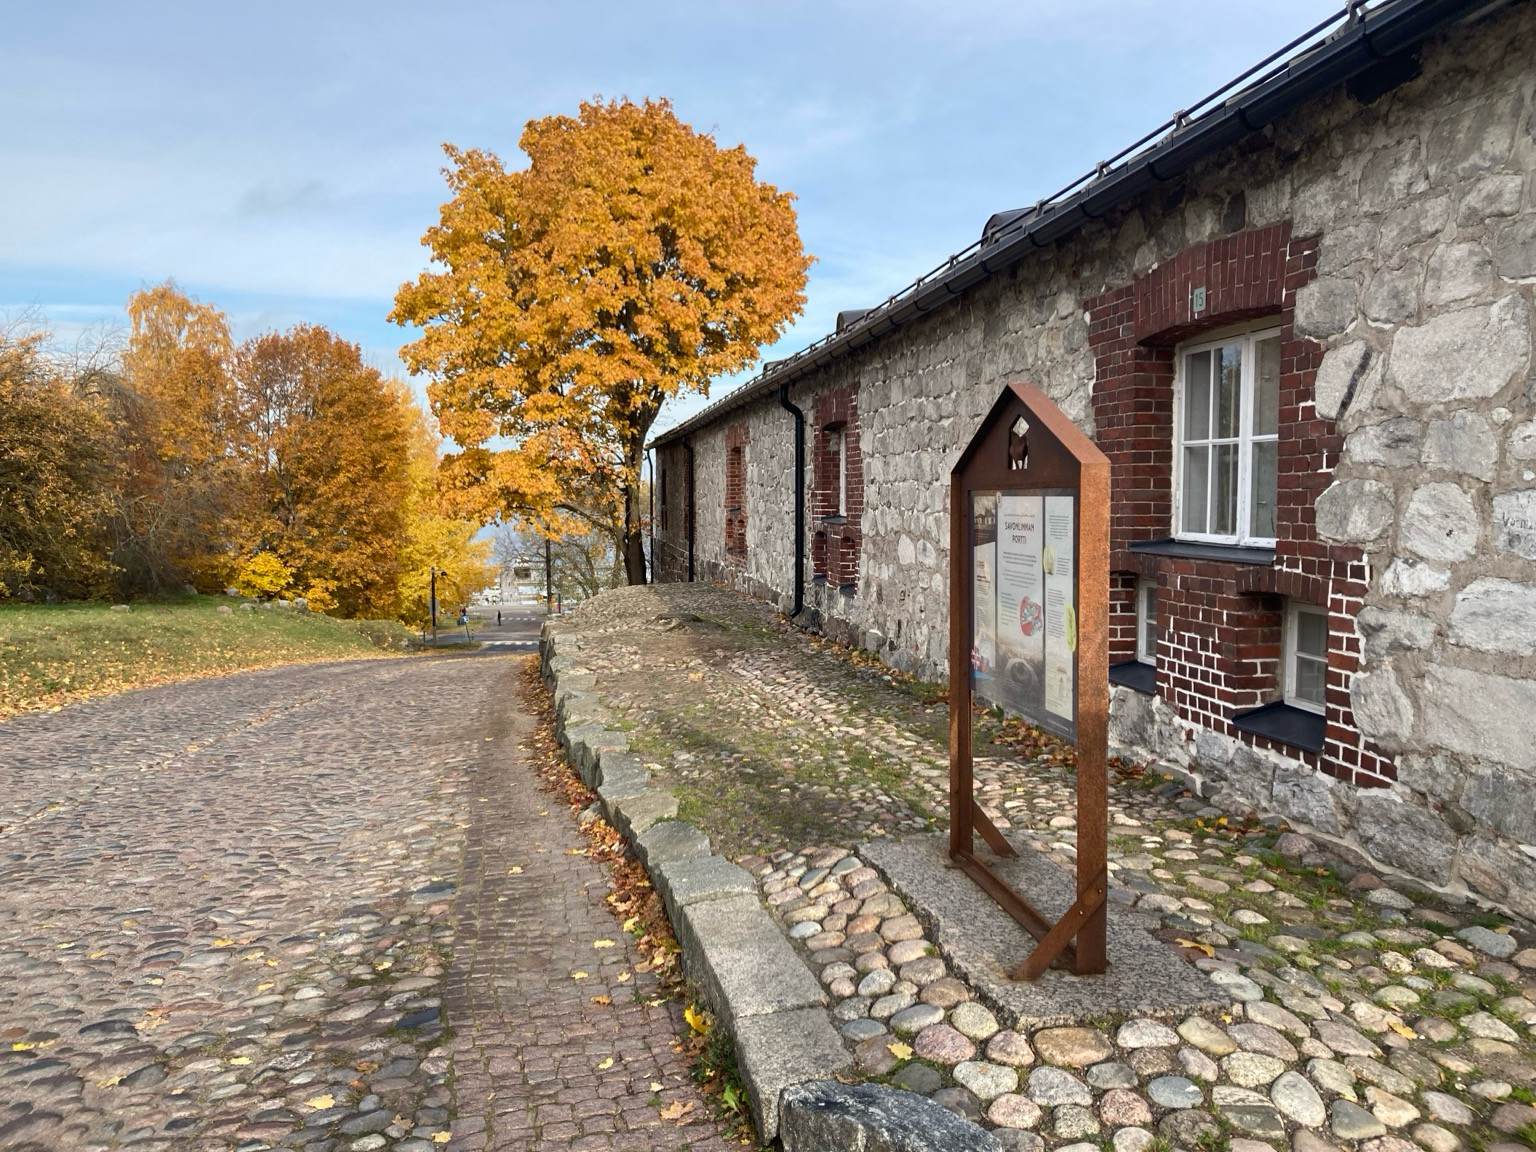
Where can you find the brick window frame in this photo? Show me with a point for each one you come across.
(1221, 635)
(736, 441)
(837, 538)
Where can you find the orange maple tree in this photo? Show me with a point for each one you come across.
(633, 259)
(325, 442)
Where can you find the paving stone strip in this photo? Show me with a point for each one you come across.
(228, 913)
(1364, 1012)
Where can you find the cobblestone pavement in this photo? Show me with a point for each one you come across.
(559, 1042)
(1365, 1012)
(227, 913)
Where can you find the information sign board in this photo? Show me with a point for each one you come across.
(1029, 593)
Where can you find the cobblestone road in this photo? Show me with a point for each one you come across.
(227, 911)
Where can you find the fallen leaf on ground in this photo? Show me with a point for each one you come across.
(515, 870)
(676, 1110)
(1196, 945)
(221, 942)
(1402, 1030)
(604, 1064)
(441, 1137)
(623, 977)
(323, 1101)
(239, 1060)
(602, 943)
(899, 1050)
(655, 1085)
(578, 975)
(603, 999)
(696, 1020)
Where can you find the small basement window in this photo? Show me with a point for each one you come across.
(1306, 656)
(1146, 621)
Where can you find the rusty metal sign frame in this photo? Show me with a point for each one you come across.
(1052, 453)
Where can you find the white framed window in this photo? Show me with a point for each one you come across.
(1146, 621)
(837, 445)
(1227, 426)
(1306, 656)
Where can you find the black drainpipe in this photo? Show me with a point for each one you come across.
(651, 577)
(688, 515)
(799, 495)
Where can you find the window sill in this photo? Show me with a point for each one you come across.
(1135, 675)
(1284, 724)
(1193, 550)
(834, 520)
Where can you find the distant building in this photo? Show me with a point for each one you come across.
(1299, 325)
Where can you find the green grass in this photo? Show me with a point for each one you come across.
(53, 654)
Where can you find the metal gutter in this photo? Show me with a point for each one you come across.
(1274, 87)
(799, 481)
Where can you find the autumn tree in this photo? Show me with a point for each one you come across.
(435, 540)
(54, 477)
(173, 413)
(324, 441)
(632, 260)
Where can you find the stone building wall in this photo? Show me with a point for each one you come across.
(1411, 418)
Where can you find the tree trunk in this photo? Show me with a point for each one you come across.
(633, 546)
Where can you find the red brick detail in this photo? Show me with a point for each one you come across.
(736, 441)
(1220, 625)
(836, 541)
(1243, 277)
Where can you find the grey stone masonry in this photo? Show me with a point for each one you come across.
(1412, 219)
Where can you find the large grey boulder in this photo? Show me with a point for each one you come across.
(1346, 379)
(1354, 511)
(1464, 355)
(824, 1116)
(1471, 713)
(1462, 443)
(1495, 615)
(1394, 443)
(1382, 709)
(1440, 524)
(1405, 836)
(1514, 520)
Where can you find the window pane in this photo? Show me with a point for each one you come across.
(1312, 634)
(1261, 510)
(1196, 461)
(1229, 391)
(1266, 387)
(1311, 680)
(1149, 619)
(1197, 396)
(1224, 496)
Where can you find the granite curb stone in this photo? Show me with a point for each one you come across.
(766, 998)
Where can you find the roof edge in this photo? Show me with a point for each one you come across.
(1318, 60)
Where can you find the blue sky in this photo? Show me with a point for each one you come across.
(282, 160)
